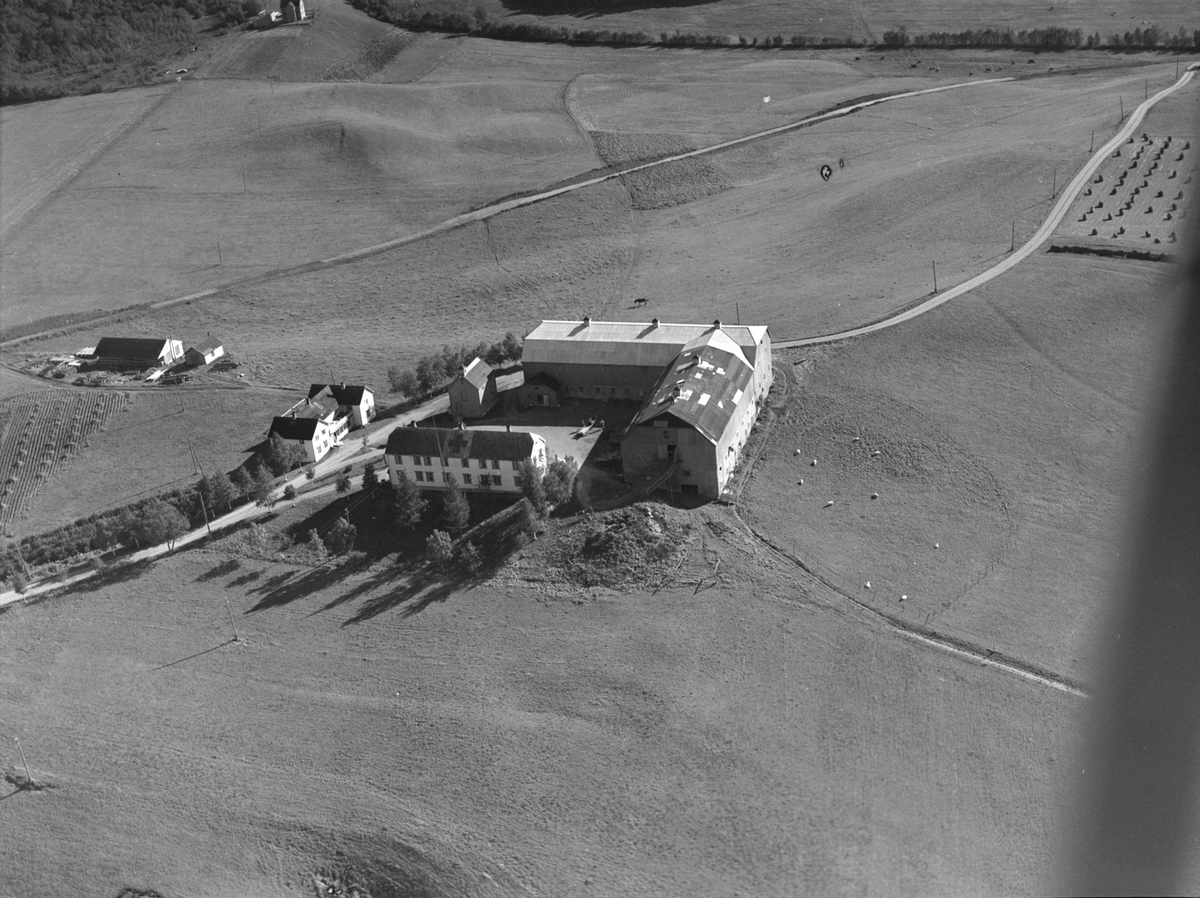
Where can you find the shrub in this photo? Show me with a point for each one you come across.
(18, 581)
(289, 493)
(370, 477)
(339, 539)
(558, 482)
(468, 557)
(440, 547)
(530, 479)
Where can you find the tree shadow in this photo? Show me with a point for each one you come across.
(104, 578)
(225, 567)
(248, 577)
(591, 9)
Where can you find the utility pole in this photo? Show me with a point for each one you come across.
(1147, 85)
(1013, 246)
(220, 261)
(243, 182)
(1054, 185)
(24, 763)
(935, 277)
(231, 624)
(1091, 146)
(1121, 100)
(204, 509)
(739, 313)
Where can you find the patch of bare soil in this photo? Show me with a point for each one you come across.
(636, 546)
(665, 186)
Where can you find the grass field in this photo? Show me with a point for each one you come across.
(744, 732)
(1005, 425)
(515, 741)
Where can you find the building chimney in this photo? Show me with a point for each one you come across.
(717, 324)
(587, 319)
(654, 322)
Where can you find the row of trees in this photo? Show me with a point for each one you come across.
(1149, 38)
(437, 369)
(408, 15)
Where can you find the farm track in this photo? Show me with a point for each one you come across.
(828, 593)
(498, 208)
(1040, 236)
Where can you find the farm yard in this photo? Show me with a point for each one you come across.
(714, 699)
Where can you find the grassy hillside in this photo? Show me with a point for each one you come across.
(513, 738)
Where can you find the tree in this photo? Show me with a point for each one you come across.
(242, 481)
(429, 373)
(404, 381)
(410, 504)
(339, 539)
(342, 483)
(127, 527)
(160, 522)
(468, 556)
(370, 477)
(440, 547)
(455, 510)
(261, 486)
(512, 346)
(217, 490)
(289, 493)
(559, 480)
(281, 455)
(530, 479)
(106, 535)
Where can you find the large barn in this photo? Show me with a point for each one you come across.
(700, 389)
(129, 352)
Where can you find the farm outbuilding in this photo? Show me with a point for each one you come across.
(691, 429)
(700, 387)
(138, 352)
(540, 390)
(473, 392)
(352, 400)
(203, 353)
(624, 359)
(477, 459)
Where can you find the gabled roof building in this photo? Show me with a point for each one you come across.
(138, 351)
(354, 400)
(473, 392)
(477, 459)
(700, 388)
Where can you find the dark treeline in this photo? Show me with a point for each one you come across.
(406, 15)
(49, 48)
(1151, 38)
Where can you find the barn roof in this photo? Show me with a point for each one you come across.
(316, 406)
(130, 347)
(342, 394)
(454, 443)
(702, 388)
(626, 342)
(293, 428)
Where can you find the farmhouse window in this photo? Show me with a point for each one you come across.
(483, 462)
(428, 462)
(420, 475)
(467, 479)
(446, 475)
(495, 464)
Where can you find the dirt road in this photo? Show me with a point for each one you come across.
(1040, 236)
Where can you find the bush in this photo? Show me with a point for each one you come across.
(530, 479)
(558, 482)
(339, 539)
(18, 581)
(440, 547)
(289, 493)
(468, 557)
(370, 477)
(342, 483)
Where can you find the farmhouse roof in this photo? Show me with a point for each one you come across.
(702, 388)
(342, 394)
(294, 428)
(625, 342)
(130, 347)
(452, 443)
(477, 373)
(315, 407)
(207, 345)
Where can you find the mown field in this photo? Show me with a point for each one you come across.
(514, 739)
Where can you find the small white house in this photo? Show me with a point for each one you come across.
(477, 459)
(205, 352)
(316, 425)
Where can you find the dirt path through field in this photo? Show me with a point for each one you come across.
(499, 208)
(1040, 236)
